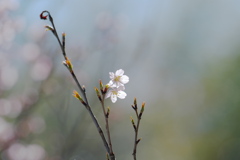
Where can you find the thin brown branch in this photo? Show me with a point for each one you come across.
(106, 115)
(136, 127)
(82, 89)
(136, 139)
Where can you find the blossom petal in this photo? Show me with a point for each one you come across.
(108, 94)
(117, 84)
(110, 83)
(111, 75)
(124, 79)
(119, 72)
(121, 88)
(114, 98)
(121, 94)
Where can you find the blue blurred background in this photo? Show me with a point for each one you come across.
(182, 58)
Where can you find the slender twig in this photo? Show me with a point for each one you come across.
(136, 138)
(101, 98)
(136, 127)
(106, 114)
(81, 88)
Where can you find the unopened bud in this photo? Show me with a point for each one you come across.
(105, 89)
(76, 95)
(143, 105)
(98, 94)
(68, 64)
(135, 103)
(83, 88)
(138, 140)
(49, 28)
(142, 110)
(134, 126)
(63, 39)
(107, 156)
(133, 106)
(101, 86)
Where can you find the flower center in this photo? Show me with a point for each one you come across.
(117, 78)
(114, 92)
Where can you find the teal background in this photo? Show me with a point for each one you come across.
(182, 58)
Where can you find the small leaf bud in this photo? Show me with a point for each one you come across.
(49, 28)
(135, 103)
(101, 85)
(106, 89)
(63, 39)
(142, 110)
(107, 156)
(138, 140)
(134, 126)
(69, 64)
(98, 94)
(76, 95)
(83, 88)
(133, 107)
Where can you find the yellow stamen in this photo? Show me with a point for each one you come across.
(117, 78)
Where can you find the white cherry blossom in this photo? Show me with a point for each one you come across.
(116, 92)
(118, 79)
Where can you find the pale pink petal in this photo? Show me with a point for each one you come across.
(108, 94)
(113, 98)
(124, 79)
(111, 75)
(120, 88)
(121, 94)
(117, 84)
(119, 72)
(110, 83)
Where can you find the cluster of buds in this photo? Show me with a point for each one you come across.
(103, 90)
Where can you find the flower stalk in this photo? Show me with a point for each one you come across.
(106, 114)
